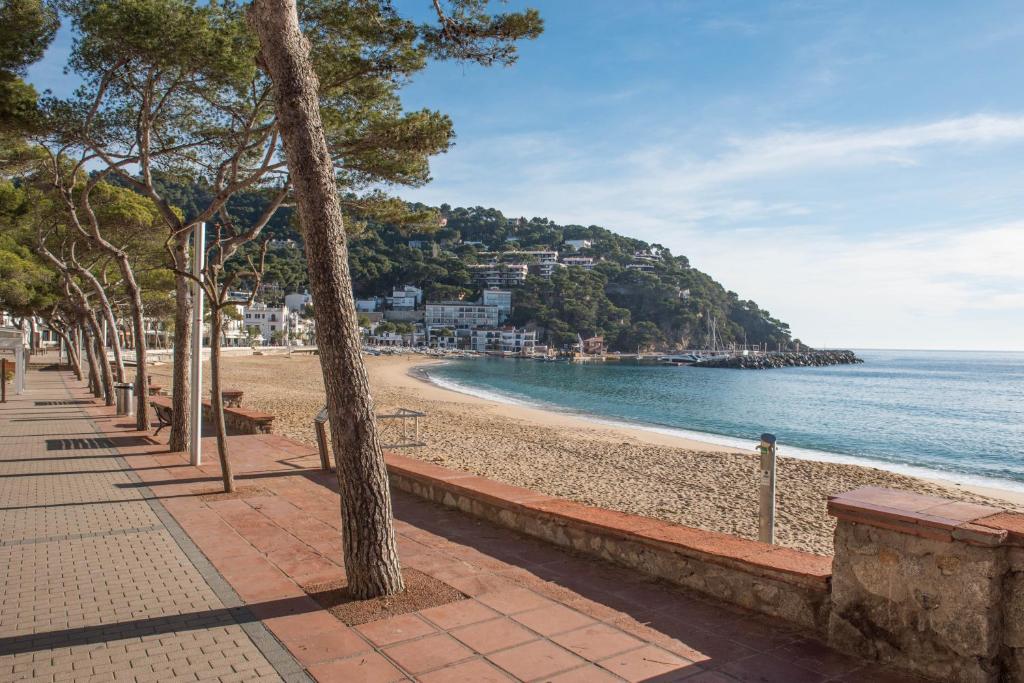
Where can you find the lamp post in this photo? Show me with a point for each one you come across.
(196, 397)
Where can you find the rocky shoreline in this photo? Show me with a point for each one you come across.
(785, 359)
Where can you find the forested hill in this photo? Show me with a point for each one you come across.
(669, 305)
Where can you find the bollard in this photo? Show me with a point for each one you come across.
(3, 380)
(766, 490)
(322, 442)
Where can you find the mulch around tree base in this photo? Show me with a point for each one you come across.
(421, 592)
(212, 495)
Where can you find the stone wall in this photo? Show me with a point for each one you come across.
(780, 582)
(242, 420)
(929, 585)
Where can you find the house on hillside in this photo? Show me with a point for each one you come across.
(592, 346)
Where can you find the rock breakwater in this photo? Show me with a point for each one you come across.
(784, 359)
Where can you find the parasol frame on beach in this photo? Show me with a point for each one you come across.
(404, 414)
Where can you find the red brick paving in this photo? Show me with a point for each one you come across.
(535, 612)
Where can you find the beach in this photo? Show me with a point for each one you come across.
(619, 467)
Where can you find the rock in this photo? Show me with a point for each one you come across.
(783, 359)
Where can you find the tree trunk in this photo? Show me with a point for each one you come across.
(106, 374)
(108, 315)
(75, 335)
(217, 397)
(371, 557)
(94, 375)
(33, 346)
(181, 380)
(139, 334)
(73, 361)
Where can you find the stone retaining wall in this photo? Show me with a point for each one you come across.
(930, 585)
(242, 420)
(926, 584)
(780, 582)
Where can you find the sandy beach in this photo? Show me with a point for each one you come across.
(628, 469)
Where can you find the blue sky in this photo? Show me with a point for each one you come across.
(855, 168)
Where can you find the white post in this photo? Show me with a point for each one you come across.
(19, 370)
(766, 489)
(196, 397)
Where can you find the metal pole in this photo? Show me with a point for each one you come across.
(3, 380)
(766, 489)
(196, 397)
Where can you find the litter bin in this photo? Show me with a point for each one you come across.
(124, 398)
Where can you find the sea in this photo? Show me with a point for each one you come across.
(953, 415)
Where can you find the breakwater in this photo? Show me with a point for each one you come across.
(784, 359)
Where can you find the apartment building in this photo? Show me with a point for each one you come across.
(499, 275)
(460, 315)
(506, 340)
(502, 298)
(268, 319)
(543, 263)
(584, 262)
(405, 298)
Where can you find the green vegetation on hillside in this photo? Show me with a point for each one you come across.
(670, 306)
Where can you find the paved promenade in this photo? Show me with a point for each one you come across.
(117, 564)
(99, 583)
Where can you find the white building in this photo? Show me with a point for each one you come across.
(506, 340)
(232, 332)
(296, 302)
(268, 319)
(405, 298)
(388, 339)
(543, 262)
(585, 262)
(653, 255)
(579, 244)
(462, 315)
(301, 330)
(498, 275)
(368, 305)
(644, 266)
(502, 298)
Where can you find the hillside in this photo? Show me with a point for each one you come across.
(666, 305)
(636, 294)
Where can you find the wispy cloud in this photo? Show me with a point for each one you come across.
(778, 198)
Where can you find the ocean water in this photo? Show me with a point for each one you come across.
(947, 414)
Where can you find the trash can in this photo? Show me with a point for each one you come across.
(124, 398)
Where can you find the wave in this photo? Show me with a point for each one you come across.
(721, 439)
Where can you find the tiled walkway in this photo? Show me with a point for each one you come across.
(95, 584)
(534, 612)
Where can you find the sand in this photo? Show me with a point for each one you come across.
(632, 470)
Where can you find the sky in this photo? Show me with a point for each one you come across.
(853, 167)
